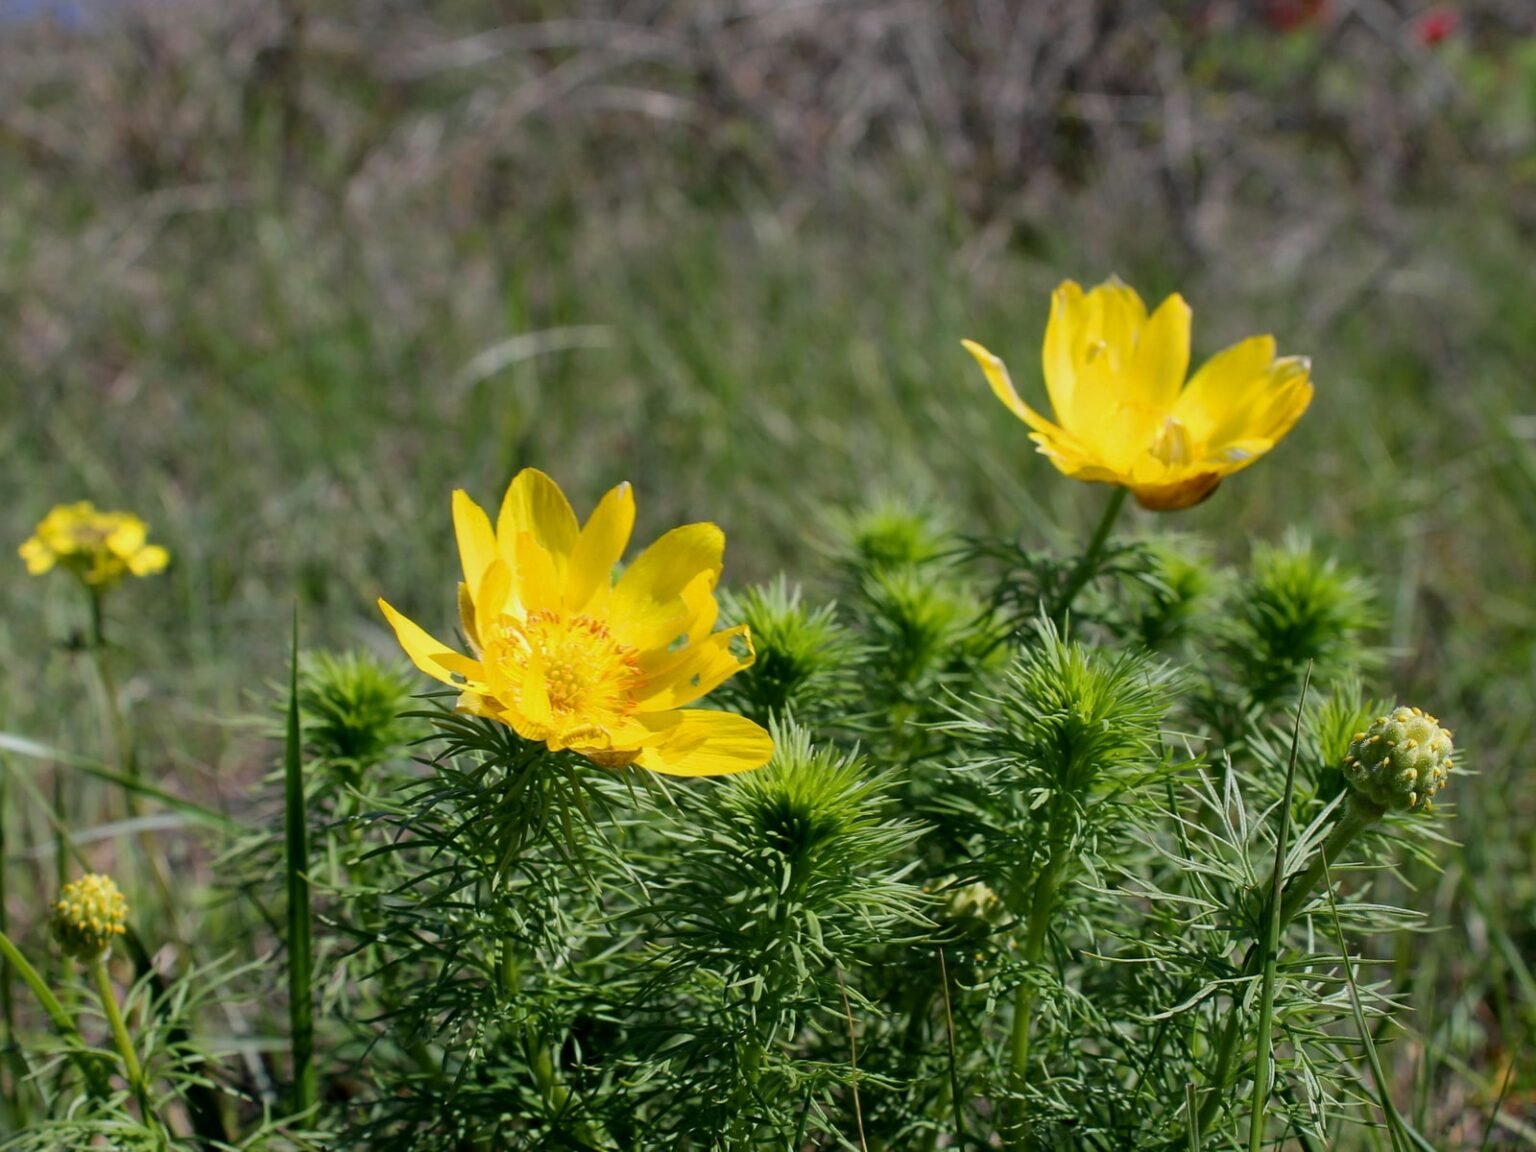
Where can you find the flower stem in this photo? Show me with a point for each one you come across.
(1358, 815)
(1042, 904)
(1087, 565)
(122, 742)
(131, 1066)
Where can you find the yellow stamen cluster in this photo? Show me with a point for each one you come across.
(88, 916)
(98, 547)
(1400, 761)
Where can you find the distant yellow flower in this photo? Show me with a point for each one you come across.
(1124, 414)
(567, 657)
(99, 547)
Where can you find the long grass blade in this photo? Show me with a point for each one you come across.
(37, 750)
(296, 863)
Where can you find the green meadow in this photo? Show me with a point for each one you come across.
(280, 281)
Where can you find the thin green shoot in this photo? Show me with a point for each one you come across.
(296, 864)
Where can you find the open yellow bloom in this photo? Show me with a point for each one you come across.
(566, 656)
(99, 547)
(1124, 414)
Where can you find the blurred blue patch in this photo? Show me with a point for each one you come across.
(66, 13)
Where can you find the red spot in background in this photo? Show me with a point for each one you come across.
(1293, 15)
(1436, 24)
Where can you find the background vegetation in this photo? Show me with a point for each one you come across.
(278, 276)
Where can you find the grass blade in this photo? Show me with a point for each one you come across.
(296, 863)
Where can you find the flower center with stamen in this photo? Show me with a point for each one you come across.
(590, 678)
(1171, 445)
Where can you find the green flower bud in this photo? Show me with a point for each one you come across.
(973, 910)
(89, 915)
(1400, 761)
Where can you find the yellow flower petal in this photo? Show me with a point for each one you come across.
(535, 575)
(467, 621)
(1057, 359)
(534, 504)
(599, 547)
(431, 656)
(127, 534)
(477, 543)
(694, 742)
(686, 675)
(1162, 353)
(645, 602)
(493, 599)
(148, 560)
(39, 557)
(1216, 404)
(997, 376)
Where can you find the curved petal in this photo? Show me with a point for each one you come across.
(696, 670)
(694, 742)
(997, 376)
(536, 577)
(1287, 399)
(493, 599)
(534, 504)
(433, 657)
(645, 601)
(1217, 402)
(467, 622)
(599, 547)
(477, 543)
(1115, 316)
(1056, 358)
(1162, 353)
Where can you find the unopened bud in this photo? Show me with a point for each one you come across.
(1400, 761)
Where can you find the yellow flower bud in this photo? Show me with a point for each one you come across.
(88, 916)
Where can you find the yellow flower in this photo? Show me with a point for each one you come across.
(99, 547)
(567, 657)
(1124, 414)
(88, 916)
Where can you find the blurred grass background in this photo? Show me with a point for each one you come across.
(278, 276)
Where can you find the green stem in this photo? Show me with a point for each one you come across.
(301, 1019)
(1087, 566)
(1042, 906)
(1358, 815)
(120, 1036)
(122, 743)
